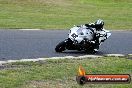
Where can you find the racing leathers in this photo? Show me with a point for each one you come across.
(96, 36)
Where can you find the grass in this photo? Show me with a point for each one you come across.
(62, 73)
(63, 14)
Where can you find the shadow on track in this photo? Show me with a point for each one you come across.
(74, 52)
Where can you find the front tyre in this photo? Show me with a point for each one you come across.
(61, 47)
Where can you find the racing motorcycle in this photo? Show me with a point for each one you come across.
(82, 38)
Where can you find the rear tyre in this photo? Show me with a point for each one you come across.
(61, 47)
(90, 50)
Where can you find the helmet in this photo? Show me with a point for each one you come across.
(99, 24)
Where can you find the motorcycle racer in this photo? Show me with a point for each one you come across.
(98, 26)
(87, 37)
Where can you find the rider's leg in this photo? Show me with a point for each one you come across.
(96, 45)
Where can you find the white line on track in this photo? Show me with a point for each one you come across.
(118, 55)
(66, 57)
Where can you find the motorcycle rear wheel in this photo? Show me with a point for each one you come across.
(90, 50)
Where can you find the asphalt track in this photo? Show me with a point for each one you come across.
(31, 44)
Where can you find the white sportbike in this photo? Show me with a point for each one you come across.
(82, 38)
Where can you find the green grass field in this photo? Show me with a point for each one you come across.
(62, 73)
(63, 14)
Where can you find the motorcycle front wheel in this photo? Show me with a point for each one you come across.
(61, 47)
